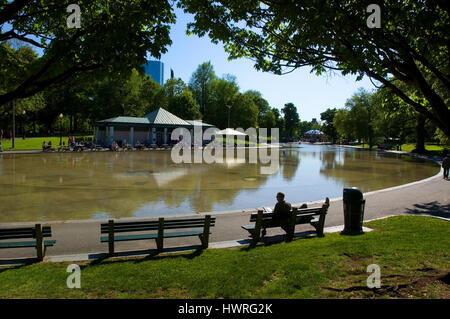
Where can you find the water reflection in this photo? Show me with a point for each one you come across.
(103, 185)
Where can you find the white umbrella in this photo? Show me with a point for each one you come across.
(229, 131)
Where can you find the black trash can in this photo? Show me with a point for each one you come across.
(353, 211)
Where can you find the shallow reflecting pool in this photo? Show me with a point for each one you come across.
(62, 186)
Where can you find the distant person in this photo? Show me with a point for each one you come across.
(43, 146)
(446, 165)
(282, 212)
(1, 149)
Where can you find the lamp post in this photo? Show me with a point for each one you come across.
(23, 124)
(229, 109)
(60, 128)
(14, 123)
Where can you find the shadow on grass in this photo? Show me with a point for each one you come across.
(276, 239)
(152, 254)
(17, 263)
(433, 208)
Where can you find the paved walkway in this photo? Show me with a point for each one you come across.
(430, 196)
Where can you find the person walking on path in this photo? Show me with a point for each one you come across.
(446, 165)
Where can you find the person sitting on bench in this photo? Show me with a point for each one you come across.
(281, 215)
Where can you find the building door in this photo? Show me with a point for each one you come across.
(159, 138)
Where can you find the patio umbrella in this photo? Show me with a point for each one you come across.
(229, 131)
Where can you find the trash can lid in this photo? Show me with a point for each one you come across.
(352, 194)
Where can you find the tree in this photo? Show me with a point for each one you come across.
(412, 43)
(291, 120)
(244, 112)
(268, 120)
(361, 114)
(304, 127)
(342, 123)
(181, 101)
(223, 93)
(264, 113)
(201, 85)
(279, 122)
(114, 37)
(395, 107)
(328, 127)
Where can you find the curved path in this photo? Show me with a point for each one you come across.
(79, 240)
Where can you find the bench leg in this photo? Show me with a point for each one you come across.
(256, 232)
(291, 225)
(111, 237)
(319, 230)
(205, 236)
(39, 242)
(160, 238)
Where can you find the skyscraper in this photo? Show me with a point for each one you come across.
(156, 71)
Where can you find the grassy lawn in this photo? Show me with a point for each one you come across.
(33, 143)
(433, 149)
(412, 252)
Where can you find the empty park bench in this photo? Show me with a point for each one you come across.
(141, 230)
(37, 233)
(314, 216)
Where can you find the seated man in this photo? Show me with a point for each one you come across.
(281, 215)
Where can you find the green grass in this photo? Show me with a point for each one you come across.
(412, 251)
(433, 149)
(34, 143)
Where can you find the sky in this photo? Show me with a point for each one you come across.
(311, 94)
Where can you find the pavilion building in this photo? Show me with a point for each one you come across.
(154, 128)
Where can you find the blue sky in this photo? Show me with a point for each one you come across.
(311, 94)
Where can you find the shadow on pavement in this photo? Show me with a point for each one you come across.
(433, 208)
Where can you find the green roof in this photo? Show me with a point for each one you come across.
(198, 122)
(127, 119)
(158, 117)
(161, 116)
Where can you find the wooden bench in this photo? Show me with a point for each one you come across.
(37, 232)
(143, 229)
(313, 216)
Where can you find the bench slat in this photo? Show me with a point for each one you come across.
(25, 244)
(269, 216)
(129, 229)
(168, 224)
(18, 236)
(24, 231)
(155, 222)
(16, 231)
(151, 236)
(130, 237)
(182, 234)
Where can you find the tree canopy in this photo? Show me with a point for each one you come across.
(411, 46)
(114, 37)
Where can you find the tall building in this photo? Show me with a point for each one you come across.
(156, 71)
